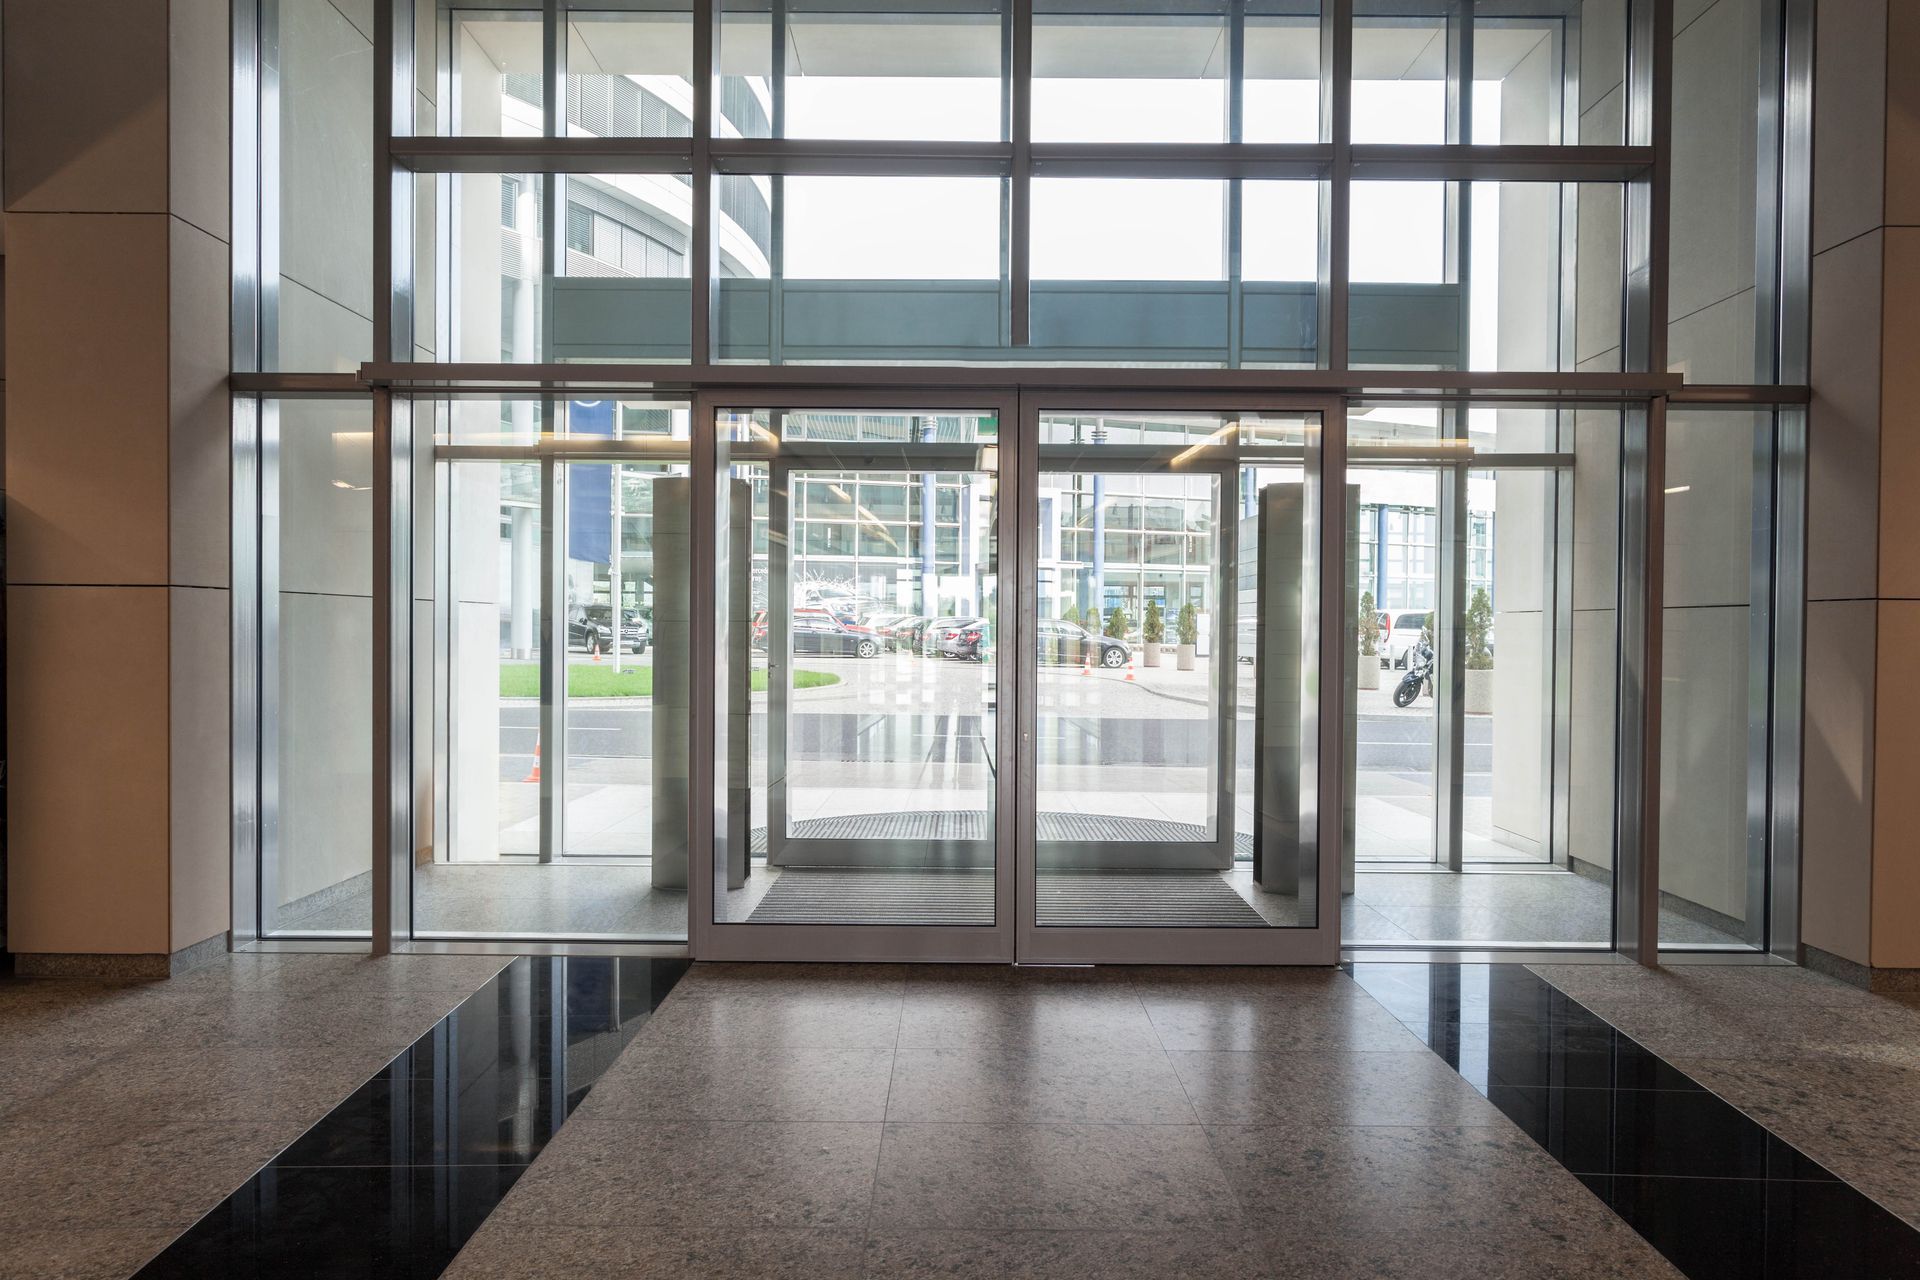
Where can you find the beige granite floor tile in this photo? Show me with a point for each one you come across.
(517, 1249)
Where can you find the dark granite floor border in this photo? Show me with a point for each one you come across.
(395, 1179)
(1718, 1194)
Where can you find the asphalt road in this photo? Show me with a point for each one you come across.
(1158, 719)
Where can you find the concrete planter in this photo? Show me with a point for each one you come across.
(1479, 692)
(1150, 655)
(1184, 656)
(1368, 674)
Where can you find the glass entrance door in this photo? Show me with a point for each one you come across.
(1175, 667)
(1047, 694)
(859, 711)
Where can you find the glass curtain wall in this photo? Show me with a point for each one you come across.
(552, 670)
(1202, 195)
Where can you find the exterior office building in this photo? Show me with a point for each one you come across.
(1255, 307)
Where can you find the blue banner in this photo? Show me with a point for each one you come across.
(590, 487)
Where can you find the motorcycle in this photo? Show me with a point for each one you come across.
(1419, 675)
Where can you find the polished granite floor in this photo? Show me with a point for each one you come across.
(127, 1110)
(315, 1116)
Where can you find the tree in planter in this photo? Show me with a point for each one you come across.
(1479, 629)
(1071, 615)
(1118, 623)
(1153, 628)
(1189, 624)
(1369, 626)
(1477, 626)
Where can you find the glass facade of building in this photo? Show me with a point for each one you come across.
(1202, 481)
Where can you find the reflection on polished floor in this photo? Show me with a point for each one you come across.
(824, 1121)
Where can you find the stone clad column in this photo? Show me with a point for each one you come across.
(116, 162)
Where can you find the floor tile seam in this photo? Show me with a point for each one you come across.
(309, 1166)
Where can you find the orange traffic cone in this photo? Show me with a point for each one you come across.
(535, 775)
(1129, 666)
(1086, 663)
(596, 650)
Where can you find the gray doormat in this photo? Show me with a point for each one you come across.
(1164, 899)
(977, 824)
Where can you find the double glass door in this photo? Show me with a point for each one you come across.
(1001, 679)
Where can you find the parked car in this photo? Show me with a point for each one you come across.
(929, 642)
(903, 636)
(1403, 637)
(966, 638)
(817, 630)
(1070, 643)
(591, 626)
(823, 632)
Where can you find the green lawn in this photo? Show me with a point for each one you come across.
(600, 680)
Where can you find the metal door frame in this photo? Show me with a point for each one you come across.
(1325, 462)
(711, 939)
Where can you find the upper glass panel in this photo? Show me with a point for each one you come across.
(1498, 276)
(869, 269)
(1127, 270)
(493, 73)
(1721, 288)
(630, 70)
(915, 70)
(1282, 91)
(1129, 73)
(1542, 74)
(612, 286)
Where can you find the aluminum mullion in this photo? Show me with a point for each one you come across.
(1788, 705)
(1637, 773)
(553, 657)
(1449, 638)
(703, 258)
(707, 790)
(392, 763)
(1336, 110)
(1020, 181)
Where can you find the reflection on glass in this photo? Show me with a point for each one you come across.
(1493, 588)
(1174, 598)
(1714, 678)
(859, 598)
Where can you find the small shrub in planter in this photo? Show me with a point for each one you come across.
(1153, 629)
(1189, 635)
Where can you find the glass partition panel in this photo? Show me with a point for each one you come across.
(904, 70)
(319, 281)
(1726, 103)
(316, 602)
(860, 670)
(1173, 661)
(1716, 677)
(1485, 580)
(554, 798)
